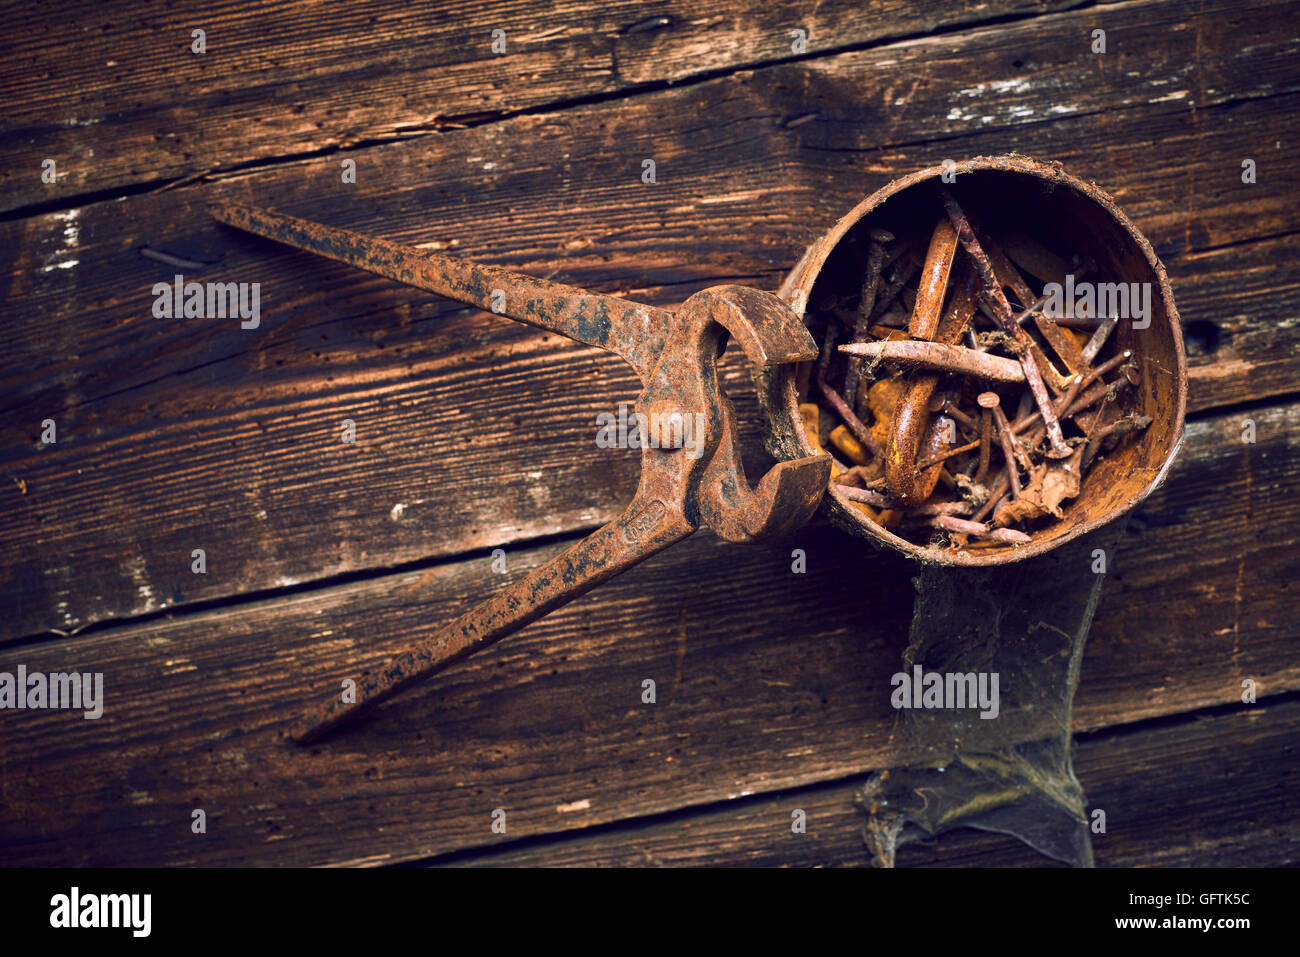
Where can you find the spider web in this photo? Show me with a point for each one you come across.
(1013, 773)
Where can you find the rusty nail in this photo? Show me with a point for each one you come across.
(1129, 423)
(936, 459)
(860, 431)
(1095, 394)
(866, 303)
(940, 357)
(1098, 339)
(1062, 409)
(986, 402)
(1002, 311)
(1061, 343)
(1011, 452)
(1032, 308)
(1096, 431)
(1114, 362)
(942, 508)
(968, 527)
(901, 278)
(959, 415)
(878, 499)
(1009, 535)
(997, 492)
(868, 496)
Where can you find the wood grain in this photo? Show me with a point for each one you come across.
(326, 558)
(766, 680)
(118, 98)
(178, 435)
(1206, 791)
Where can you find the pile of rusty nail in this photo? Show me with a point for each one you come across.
(931, 357)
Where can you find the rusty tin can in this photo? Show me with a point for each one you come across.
(1083, 218)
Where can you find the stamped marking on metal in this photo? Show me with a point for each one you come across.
(644, 522)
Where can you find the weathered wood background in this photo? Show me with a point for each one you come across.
(473, 433)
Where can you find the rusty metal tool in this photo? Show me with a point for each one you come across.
(673, 353)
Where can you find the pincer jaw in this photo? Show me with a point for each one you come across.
(787, 496)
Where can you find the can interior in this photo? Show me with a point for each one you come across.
(1066, 220)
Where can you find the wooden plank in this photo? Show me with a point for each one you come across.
(510, 214)
(118, 98)
(1235, 536)
(1222, 295)
(766, 681)
(1205, 791)
(178, 435)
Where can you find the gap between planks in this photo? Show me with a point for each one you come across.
(473, 120)
(1268, 705)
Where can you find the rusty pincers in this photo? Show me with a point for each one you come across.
(673, 353)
